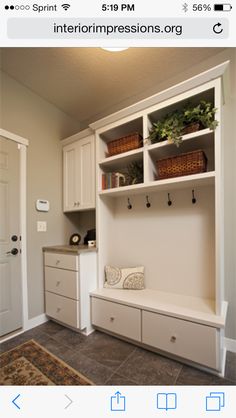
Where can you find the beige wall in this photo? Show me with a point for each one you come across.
(28, 115)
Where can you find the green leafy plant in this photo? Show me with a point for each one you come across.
(171, 127)
(134, 172)
(203, 113)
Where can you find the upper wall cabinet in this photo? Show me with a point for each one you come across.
(79, 173)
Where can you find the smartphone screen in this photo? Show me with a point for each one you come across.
(118, 202)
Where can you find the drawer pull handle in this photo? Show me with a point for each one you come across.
(173, 339)
(58, 282)
(58, 310)
(57, 262)
(112, 318)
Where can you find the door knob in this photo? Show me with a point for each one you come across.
(14, 251)
(14, 238)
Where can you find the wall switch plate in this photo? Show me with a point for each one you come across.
(41, 226)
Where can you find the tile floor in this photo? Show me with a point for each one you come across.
(109, 361)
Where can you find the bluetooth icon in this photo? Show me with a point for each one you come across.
(185, 7)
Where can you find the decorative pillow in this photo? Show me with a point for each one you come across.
(126, 278)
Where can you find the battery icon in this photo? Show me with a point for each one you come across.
(224, 7)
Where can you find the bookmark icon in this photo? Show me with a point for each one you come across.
(166, 401)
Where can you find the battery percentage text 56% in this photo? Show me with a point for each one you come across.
(197, 7)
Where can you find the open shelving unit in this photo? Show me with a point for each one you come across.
(180, 246)
(149, 154)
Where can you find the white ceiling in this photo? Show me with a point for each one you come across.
(90, 83)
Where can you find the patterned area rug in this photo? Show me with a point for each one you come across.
(31, 364)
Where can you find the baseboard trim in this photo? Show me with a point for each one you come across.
(230, 344)
(11, 335)
(31, 323)
(222, 372)
(34, 322)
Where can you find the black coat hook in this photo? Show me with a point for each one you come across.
(148, 204)
(129, 206)
(169, 202)
(193, 198)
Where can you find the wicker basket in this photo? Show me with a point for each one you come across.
(124, 144)
(182, 165)
(192, 127)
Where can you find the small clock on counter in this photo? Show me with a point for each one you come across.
(75, 239)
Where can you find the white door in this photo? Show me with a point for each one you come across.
(10, 254)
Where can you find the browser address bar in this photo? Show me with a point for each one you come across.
(115, 28)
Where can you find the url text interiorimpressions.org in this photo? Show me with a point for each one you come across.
(117, 29)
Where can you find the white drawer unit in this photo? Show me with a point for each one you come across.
(61, 282)
(62, 261)
(186, 339)
(63, 309)
(68, 280)
(120, 319)
(140, 316)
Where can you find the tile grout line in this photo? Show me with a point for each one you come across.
(178, 374)
(123, 362)
(116, 371)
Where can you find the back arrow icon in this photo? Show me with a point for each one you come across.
(70, 402)
(14, 401)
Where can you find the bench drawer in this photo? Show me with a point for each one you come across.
(63, 261)
(63, 309)
(117, 318)
(186, 339)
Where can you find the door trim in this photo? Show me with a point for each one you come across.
(14, 137)
(22, 146)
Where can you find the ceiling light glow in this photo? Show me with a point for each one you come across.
(114, 49)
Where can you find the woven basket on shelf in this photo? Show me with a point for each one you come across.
(124, 144)
(182, 165)
(192, 127)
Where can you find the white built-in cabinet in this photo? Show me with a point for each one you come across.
(79, 172)
(69, 275)
(182, 311)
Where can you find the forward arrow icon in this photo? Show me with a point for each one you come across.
(70, 402)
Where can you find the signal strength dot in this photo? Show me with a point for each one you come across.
(9, 7)
(65, 6)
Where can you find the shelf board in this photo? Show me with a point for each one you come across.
(185, 307)
(199, 134)
(191, 143)
(202, 179)
(121, 159)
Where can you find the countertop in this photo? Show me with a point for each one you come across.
(69, 249)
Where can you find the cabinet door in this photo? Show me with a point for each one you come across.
(70, 158)
(79, 175)
(86, 174)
